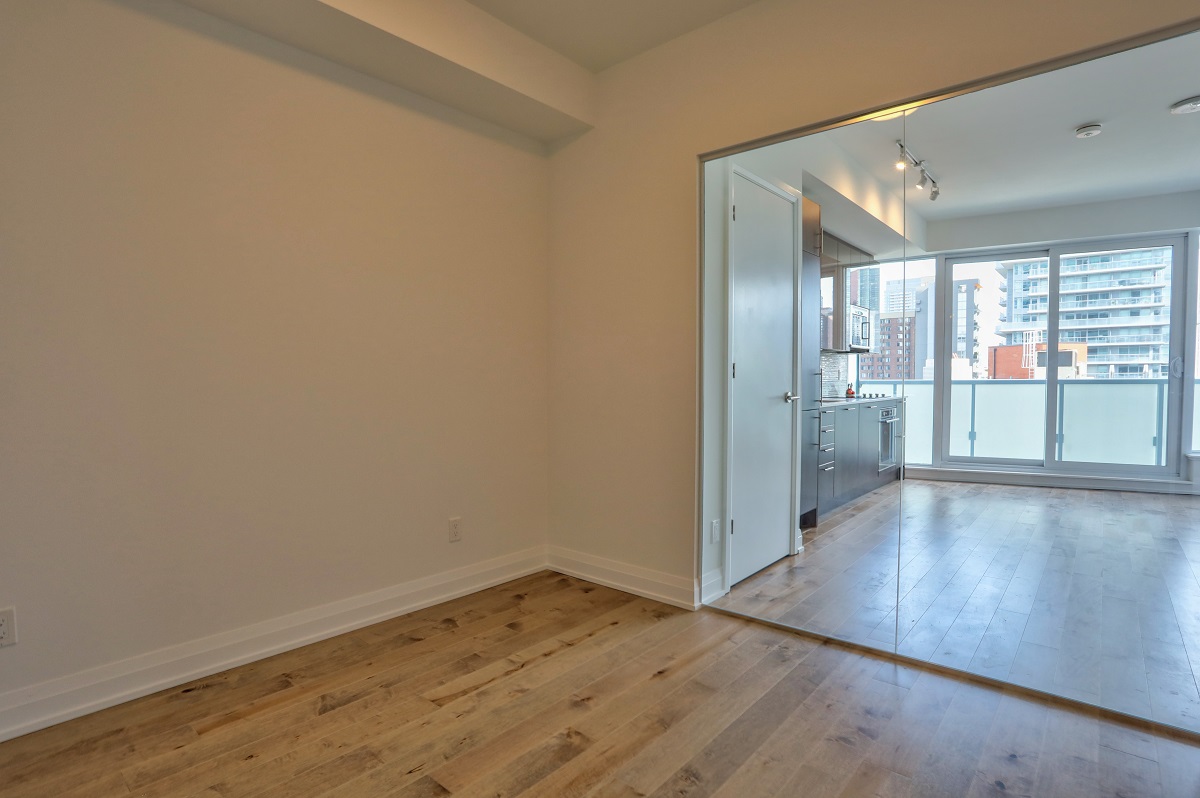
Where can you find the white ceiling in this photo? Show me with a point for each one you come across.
(1013, 147)
(1007, 148)
(597, 35)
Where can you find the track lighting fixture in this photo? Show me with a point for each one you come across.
(906, 159)
(1189, 106)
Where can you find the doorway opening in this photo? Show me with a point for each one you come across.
(1018, 344)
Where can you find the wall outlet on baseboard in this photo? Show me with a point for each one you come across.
(8, 626)
(715, 534)
(455, 530)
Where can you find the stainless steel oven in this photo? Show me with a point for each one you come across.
(889, 431)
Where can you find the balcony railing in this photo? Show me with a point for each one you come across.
(1103, 340)
(1102, 357)
(1102, 420)
(1096, 285)
(1148, 261)
(1147, 320)
(1120, 301)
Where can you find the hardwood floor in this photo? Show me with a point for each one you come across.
(1091, 595)
(550, 686)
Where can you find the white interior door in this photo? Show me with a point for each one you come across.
(763, 249)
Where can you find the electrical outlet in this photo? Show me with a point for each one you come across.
(715, 534)
(8, 626)
(455, 530)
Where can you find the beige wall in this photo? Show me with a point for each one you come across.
(265, 325)
(624, 220)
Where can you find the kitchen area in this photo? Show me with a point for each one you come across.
(850, 441)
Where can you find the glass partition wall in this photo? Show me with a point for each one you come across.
(1024, 292)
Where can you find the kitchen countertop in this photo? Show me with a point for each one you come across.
(833, 401)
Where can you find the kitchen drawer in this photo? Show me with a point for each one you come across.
(826, 454)
(826, 427)
(826, 490)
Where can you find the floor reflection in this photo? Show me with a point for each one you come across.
(1091, 595)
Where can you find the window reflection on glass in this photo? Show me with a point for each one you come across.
(902, 294)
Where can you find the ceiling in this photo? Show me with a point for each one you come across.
(1008, 148)
(597, 35)
(1013, 147)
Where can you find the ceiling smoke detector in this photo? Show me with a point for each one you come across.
(1088, 131)
(1189, 106)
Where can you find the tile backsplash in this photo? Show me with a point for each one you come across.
(835, 373)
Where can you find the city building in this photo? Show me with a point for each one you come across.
(965, 341)
(1028, 361)
(864, 287)
(895, 356)
(1115, 303)
(904, 344)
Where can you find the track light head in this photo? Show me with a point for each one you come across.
(923, 181)
(934, 192)
(902, 158)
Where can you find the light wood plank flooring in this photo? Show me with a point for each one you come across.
(550, 686)
(1091, 595)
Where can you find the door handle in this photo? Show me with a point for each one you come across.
(790, 397)
(1177, 367)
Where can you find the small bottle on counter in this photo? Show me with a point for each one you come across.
(850, 391)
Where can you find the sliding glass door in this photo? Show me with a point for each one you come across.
(1116, 342)
(997, 327)
(1065, 359)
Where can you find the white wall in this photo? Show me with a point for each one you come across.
(1138, 216)
(624, 269)
(265, 325)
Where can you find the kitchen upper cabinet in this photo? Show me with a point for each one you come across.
(810, 223)
(836, 252)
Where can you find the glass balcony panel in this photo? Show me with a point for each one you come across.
(1010, 419)
(918, 433)
(960, 420)
(1105, 421)
(1112, 421)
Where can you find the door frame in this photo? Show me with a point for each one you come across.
(794, 197)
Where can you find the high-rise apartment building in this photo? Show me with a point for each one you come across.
(896, 355)
(863, 287)
(965, 321)
(1117, 303)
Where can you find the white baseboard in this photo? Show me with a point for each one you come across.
(711, 587)
(657, 585)
(35, 707)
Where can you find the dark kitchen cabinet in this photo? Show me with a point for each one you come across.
(849, 471)
(846, 442)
